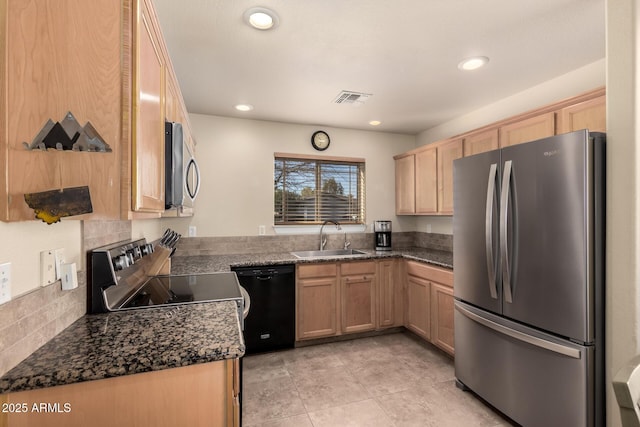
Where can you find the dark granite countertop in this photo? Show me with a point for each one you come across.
(195, 264)
(129, 342)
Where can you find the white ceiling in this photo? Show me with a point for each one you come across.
(404, 52)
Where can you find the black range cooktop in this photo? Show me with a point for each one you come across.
(184, 289)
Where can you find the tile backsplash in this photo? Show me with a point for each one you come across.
(30, 320)
(287, 243)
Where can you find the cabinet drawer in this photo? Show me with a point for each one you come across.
(352, 268)
(317, 270)
(428, 272)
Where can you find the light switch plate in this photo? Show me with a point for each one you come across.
(69, 276)
(47, 268)
(5, 282)
(59, 260)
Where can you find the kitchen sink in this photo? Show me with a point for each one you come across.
(328, 253)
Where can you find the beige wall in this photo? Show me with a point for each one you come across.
(623, 192)
(236, 158)
(22, 243)
(574, 83)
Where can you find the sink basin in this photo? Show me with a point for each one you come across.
(328, 253)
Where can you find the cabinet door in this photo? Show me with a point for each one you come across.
(527, 130)
(480, 142)
(426, 181)
(148, 133)
(59, 56)
(390, 301)
(442, 317)
(316, 309)
(405, 185)
(418, 306)
(447, 153)
(358, 303)
(590, 115)
(194, 395)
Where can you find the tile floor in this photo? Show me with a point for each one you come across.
(387, 380)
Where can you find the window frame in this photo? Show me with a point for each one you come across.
(359, 162)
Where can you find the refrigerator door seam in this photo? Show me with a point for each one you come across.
(504, 249)
(491, 267)
(538, 342)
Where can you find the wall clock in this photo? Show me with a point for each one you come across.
(320, 140)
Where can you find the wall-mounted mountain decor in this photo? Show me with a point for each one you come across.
(68, 135)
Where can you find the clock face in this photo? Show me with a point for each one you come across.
(320, 140)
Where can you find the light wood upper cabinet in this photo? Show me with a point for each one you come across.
(447, 153)
(480, 142)
(589, 114)
(148, 114)
(57, 57)
(530, 129)
(405, 185)
(426, 181)
(108, 68)
(358, 291)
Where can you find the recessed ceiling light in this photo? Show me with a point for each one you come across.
(375, 122)
(261, 18)
(244, 107)
(473, 63)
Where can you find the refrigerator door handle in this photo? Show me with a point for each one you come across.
(520, 336)
(488, 229)
(504, 249)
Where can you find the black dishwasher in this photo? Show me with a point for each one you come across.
(270, 324)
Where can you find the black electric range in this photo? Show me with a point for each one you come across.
(119, 281)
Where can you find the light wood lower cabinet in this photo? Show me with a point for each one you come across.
(347, 297)
(358, 292)
(198, 395)
(316, 301)
(442, 317)
(429, 303)
(418, 306)
(390, 294)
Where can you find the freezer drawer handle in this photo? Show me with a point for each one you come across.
(504, 249)
(538, 342)
(488, 229)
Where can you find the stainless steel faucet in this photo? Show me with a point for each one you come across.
(323, 240)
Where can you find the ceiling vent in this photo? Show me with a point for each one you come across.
(349, 97)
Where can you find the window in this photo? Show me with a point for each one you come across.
(310, 190)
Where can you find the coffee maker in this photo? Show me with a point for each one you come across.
(382, 232)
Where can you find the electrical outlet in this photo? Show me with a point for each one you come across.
(192, 231)
(262, 230)
(58, 256)
(5, 282)
(47, 267)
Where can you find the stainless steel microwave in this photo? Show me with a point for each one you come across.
(182, 175)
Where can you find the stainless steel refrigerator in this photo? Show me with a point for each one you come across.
(528, 256)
